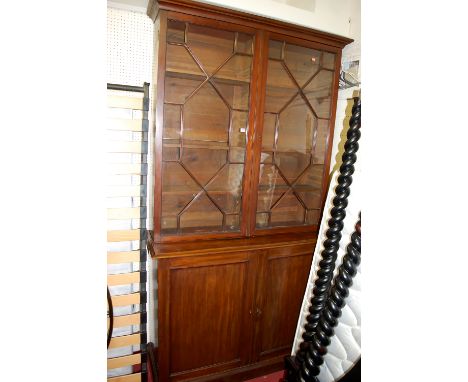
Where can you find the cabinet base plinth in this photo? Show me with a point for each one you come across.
(241, 374)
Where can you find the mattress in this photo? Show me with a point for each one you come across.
(345, 347)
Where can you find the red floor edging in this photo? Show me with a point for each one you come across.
(273, 377)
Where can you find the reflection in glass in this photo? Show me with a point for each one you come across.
(302, 62)
(244, 43)
(175, 31)
(211, 46)
(226, 188)
(295, 135)
(206, 116)
(319, 93)
(200, 215)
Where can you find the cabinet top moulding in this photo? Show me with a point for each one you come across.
(196, 8)
(187, 249)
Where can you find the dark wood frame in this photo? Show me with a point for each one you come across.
(263, 29)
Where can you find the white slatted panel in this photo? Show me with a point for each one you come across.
(126, 182)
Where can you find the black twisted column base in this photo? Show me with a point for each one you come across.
(330, 315)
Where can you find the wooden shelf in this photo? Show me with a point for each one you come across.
(281, 224)
(186, 192)
(264, 189)
(197, 76)
(198, 146)
(319, 90)
(191, 230)
(204, 147)
(271, 151)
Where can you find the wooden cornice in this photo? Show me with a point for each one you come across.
(153, 9)
(260, 22)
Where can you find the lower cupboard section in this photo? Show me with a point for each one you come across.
(229, 316)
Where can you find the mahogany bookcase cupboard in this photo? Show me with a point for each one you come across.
(244, 109)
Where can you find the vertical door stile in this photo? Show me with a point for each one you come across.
(326, 178)
(160, 38)
(255, 135)
(259, 286)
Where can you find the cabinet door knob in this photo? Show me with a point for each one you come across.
(257, 313)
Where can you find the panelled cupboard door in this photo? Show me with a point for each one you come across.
(284, 276)
(204, 321)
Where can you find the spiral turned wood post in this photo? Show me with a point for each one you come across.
(335, 224)
(335, 303)
(331, 245)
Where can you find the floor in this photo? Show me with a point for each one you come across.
(273, 377)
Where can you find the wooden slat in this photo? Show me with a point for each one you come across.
(124, 124)
(127, 320)
(123, 257)
(113, 191)
(123, 213)
(126, 378)
(125, 136)
(123, 202)
(123, 158)
(123, 235)
(122, 180)
(118, 342)
(126, 299)
(126, 360)
(124, 147)
(123, 278)
(125, 102)
(124, 168)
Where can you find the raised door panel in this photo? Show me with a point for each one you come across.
(285, 274)
(205, 310)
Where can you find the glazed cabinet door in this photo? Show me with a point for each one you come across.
(298, 117)
(283, 281)
(202, 127)
(204, 321)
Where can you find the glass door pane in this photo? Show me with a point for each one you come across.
(295, 135)
(206, 105)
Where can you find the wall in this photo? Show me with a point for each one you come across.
(351, 52)
(130, 62)
(129, 47)
(326, 15)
